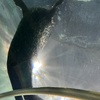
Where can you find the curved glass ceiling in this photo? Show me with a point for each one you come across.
(71, 56)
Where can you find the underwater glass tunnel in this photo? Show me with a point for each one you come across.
(68, 65)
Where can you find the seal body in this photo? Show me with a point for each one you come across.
(31, 31)
(24, 46)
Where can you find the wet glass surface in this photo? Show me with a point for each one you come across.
(71, 57)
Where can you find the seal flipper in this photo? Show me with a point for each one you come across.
(55, 7)
(22, 5)
(57, 4)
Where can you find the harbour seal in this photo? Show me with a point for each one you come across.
(31, 31)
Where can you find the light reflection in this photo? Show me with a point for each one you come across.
(36, 73)
(6, 47)
(40, 77)
(36, 66)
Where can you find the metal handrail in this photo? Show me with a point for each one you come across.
(57, 91)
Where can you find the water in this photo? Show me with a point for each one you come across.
(71, 57)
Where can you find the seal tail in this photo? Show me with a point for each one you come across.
(22, 5)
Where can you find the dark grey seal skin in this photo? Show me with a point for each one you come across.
(25, 44)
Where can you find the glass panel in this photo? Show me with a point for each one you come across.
(71, 56)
